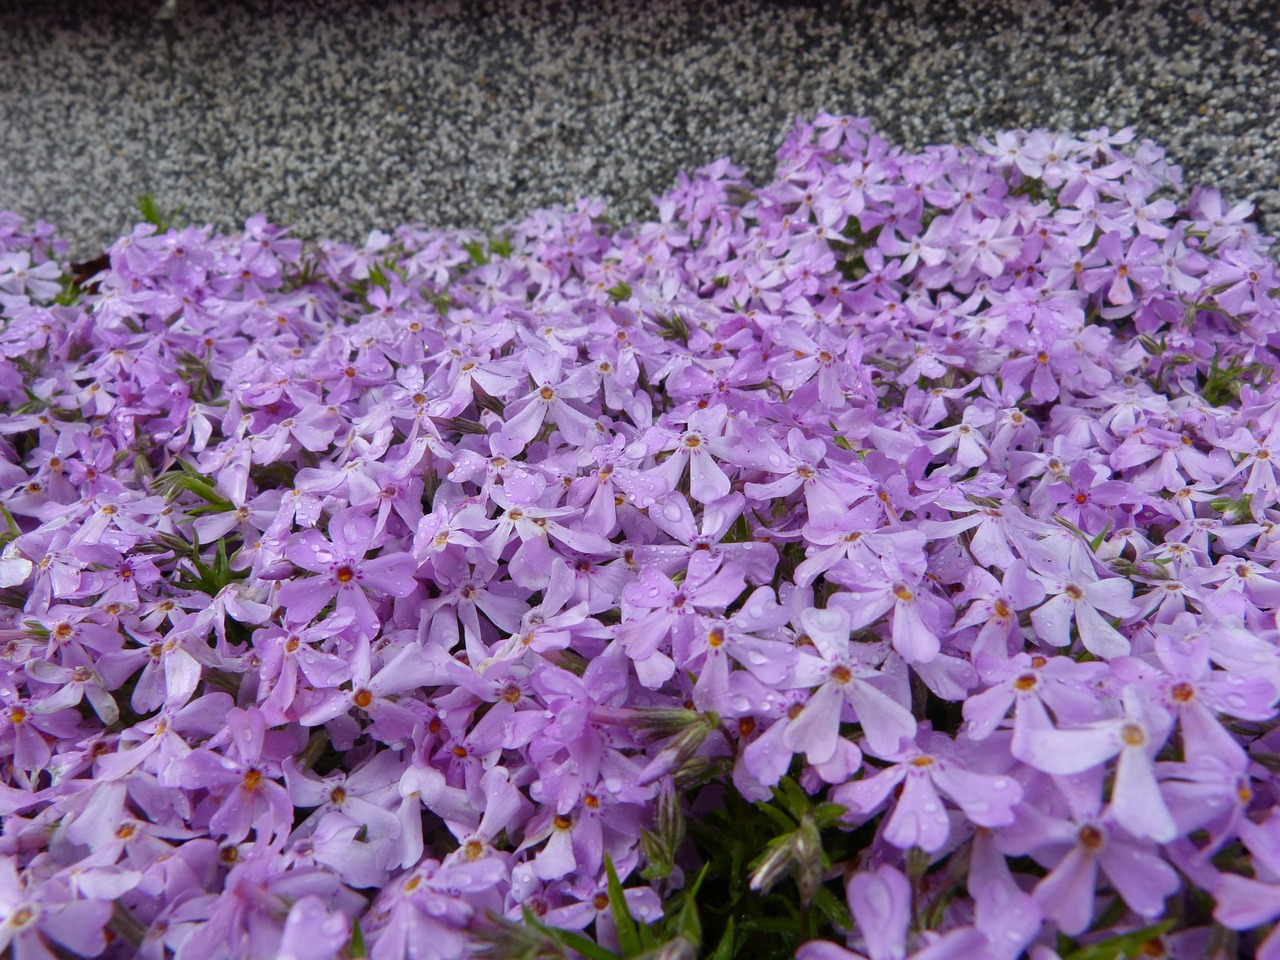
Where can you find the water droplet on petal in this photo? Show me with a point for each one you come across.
(930, 807)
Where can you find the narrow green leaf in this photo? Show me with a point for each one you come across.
(1096, 543)
(831, 907)
(150, 211)
(628, 936)
(724, 949)
(792, 796)
(357, 948)
(1125, 945)
(777, 816)
(569, 938)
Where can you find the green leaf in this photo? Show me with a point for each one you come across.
(569, 938)
(619, 292)
(477, 252)
(580, 944)
(792, 796)
(688, 924)
(777, 816)
(150, 212)
(357, 946)
(831, 907)
(828, 814)
(500, 246)
(1096, 543)
(1126, 945)
(724, 949)
(628, 935)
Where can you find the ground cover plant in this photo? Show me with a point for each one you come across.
(878, 562)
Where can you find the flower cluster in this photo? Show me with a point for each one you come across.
(402, 598)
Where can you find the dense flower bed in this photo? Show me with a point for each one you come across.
(883, 558)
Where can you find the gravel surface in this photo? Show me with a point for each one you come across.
(341, 117)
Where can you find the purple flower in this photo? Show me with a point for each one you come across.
(919, 818)
(344, 573)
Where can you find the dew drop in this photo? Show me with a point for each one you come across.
(930, 807)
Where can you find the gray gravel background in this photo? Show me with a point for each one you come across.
(340, 117)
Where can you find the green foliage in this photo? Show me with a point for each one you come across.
(212, 577)
(171, 485)
(151, 213)
(1121, 947)
(1221, 384)
(765, 886)
(673, 328)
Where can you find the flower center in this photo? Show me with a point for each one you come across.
(344, 574)
(1090, 837)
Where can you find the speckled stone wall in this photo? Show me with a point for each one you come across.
(340, 117)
